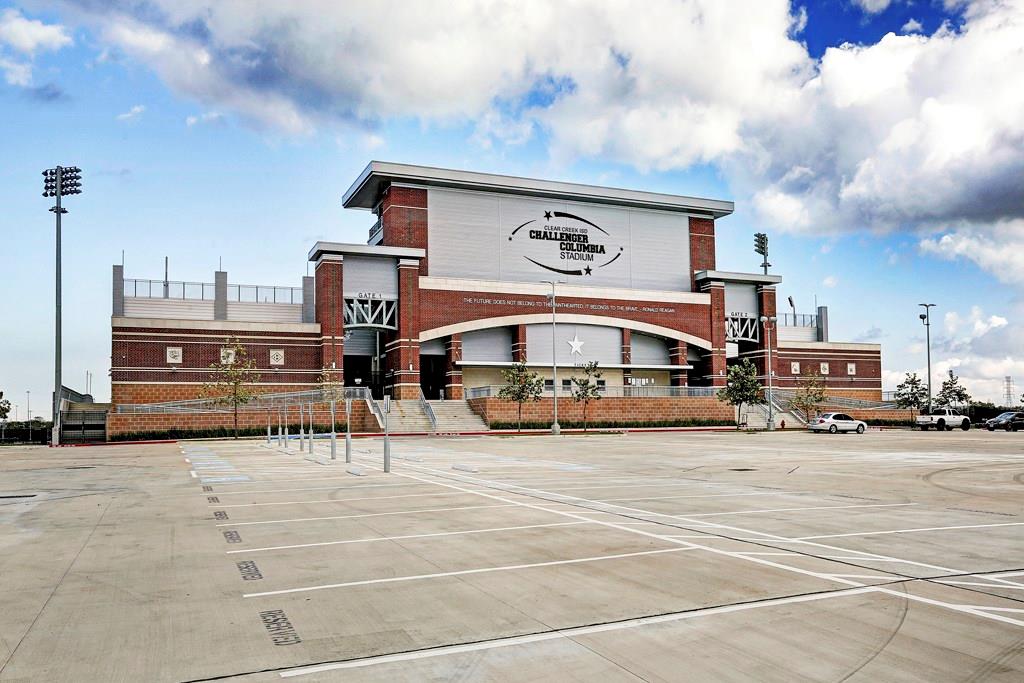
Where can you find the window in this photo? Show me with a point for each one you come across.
(851, 368)
(794, 368)
(824, 368)
(174, 354)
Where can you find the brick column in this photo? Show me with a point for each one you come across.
(329, 311)
(627, 356)
(519, 343)
(403, 217)
(702, 247)
(766, 306)
(677, 356)
(452, 370)
(716, 357)
(403, 351)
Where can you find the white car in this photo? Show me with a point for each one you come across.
(836, 422)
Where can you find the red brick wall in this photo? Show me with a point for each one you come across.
(330, 309)
(160, 393)
(404, 219)
(130, 423)
(866, 384)
(607, 409)
(140, 355)
(702, 246)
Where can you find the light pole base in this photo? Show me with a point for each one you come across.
(556, 429)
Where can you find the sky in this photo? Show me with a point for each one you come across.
(878, 143)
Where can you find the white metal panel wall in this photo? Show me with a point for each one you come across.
(474, 235)
(659, 250)
(370, 275)
(265, 313)
(648, 350)
(462, 234)
(361, 343)
(740, 299)
(171, 309)
(432, 347)
(600, 343)
(493, 344)
(805, 334)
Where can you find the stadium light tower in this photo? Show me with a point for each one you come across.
(58, 182)
(761, 247)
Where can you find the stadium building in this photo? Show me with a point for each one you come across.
(454, 285)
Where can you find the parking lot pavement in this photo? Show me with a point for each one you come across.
(695, 556)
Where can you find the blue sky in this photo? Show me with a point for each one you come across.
(846, 131)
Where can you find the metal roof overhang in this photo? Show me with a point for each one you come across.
(366, 191)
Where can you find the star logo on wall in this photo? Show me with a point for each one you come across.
(547, 215)
(576, 345)
(587, 270)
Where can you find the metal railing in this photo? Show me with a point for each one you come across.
(264, 294)
(613, 391)
(428, 411)
(375, 230)
(168, 289)
(839, 401)
(798, 320)
(259, 403)
(206, 291)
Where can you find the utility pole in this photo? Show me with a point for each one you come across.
(58, 182)
(555, 427)
(767, 322)
(926, 318)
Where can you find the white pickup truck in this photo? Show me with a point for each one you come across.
(943, 419)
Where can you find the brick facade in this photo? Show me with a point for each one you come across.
(403, 216)
(493, 409)
(865, 383)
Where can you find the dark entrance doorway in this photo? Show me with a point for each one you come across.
(432, 375)
(361, 368)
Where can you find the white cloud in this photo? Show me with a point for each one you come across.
(998, 248)
(912, 26)
(16, 73)
(913, 132)
(211, 117)
(873, 6)
(830, 281)
(132, 113)
(30, 35)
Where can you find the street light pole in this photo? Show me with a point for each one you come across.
(555, 427)
(28, 412)
(765, 320)
(58, 182)
(926, 318)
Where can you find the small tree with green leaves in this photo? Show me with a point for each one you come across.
(332, 390)
(232, 378)
(742, 387)
(522, 385)
(952, 392)
(911, 392)
(5, 407)
(585, 388)
(809, 394)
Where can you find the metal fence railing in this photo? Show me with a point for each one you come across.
(612, 391)
(428, 411)
(206, 291)
(798, 320)
(785, 395)
(262, 402)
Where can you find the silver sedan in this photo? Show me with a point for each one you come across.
(836, 422)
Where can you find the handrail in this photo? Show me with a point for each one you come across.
(139, 288)
(428, 411)
(615, 391)
(843, 402)
(798, 320)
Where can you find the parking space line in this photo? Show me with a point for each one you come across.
(464, 572)
(823, 507)
(568, 633)
(909, 531)
(337, 500)
(709, 495)
(372, 514)
(404, 538)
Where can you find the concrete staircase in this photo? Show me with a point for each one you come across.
(407, 416)
(757, 417)
(456, 416)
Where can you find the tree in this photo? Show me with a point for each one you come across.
(5, 407)
(232, 378)
(911, 392)
(585, 389)
(742, 386)
(522, 385)
(809, 394)
(332, 389)
(952, 393)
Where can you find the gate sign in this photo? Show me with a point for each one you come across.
(564, 243)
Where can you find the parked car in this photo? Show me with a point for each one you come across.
(836, 422)
(1011, 422)
(943, 419)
